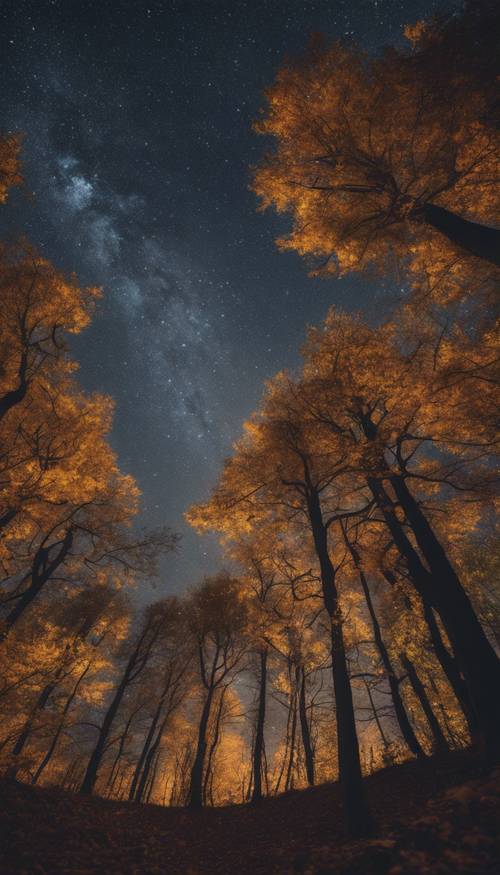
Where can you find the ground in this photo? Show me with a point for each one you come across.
(440, 818)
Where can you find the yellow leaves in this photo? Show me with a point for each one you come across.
(360, 148)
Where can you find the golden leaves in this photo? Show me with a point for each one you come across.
(10, 165)
(360, 147)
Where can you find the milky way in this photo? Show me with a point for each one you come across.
(137, 146)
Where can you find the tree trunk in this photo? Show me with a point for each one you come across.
(479, 240)
(90, 778)
(259, 729)
(304, 726)
(42, 570)
(7, 517)
(213, 747)
(293, 732)
(447, 662)
(476, 657)
(48, 756)
(28, 726)
(441, 588)
(399, 708)
(350, 777)
(380, 728)
(440, 743)
(151, 758)
(449, 665)
(153, 776)
(291, 708)
(145, 749)
(136, 664)
(15, 396)
(196, 784)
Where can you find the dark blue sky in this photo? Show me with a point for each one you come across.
(137, 121)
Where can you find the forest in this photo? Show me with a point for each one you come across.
(346, 652)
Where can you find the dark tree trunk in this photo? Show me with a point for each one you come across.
(380, 728)
(28, 726)
(441, 588)
(135, 665)
(7, 517)
(48, 756)
(293, 733)
(145, 750)
(121, 747)
(399, 708)
(150, 759)
(479, 240)
(259, 729)
(196, 783)
(291, 708)
(42, 570)
(306, 734)
(449, 665)
(153, 776)
(447, 662)
(476, 657)
(213, 747)
(15, 396)
(90, 778)
(440, 743)
(350, 777)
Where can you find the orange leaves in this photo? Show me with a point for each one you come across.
(10, 165)
(360, 147)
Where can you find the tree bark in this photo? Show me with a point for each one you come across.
(441, 588)
(135, 665)
(449, 665)
(479, 240)
(293, 732)
(213, 747)
(399, 708)
(48, 756)
(28, 726)
(440, 743)
(196, 784)
(15, 396)
(476, 657)
(145, 750)
(150, 759)
(306, 733)
(42, 570)
(259, 729)
(350, 777)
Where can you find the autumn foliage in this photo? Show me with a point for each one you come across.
(355, 622)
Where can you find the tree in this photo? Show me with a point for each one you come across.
(389, 156)
(279, 464)
(217, 619)
(166, 692)
(39, 306)
(157, 622)
(401, 715)
(414, 437)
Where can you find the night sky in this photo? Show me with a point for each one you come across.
(137, 122)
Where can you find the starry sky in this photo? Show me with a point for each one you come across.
(137, 120)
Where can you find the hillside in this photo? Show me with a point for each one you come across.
(438, 818)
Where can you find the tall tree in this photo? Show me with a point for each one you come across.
(393, 155)
(217, 619)
(156, 622)
(280, 464)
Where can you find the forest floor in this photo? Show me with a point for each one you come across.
(439, 818)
